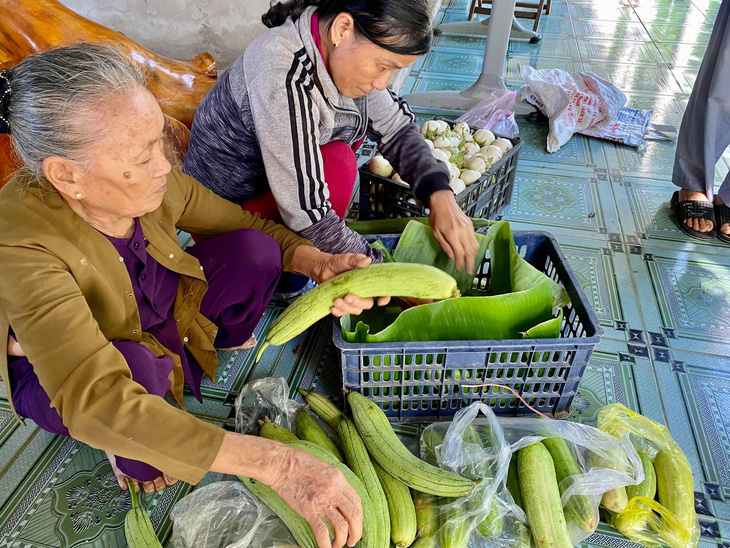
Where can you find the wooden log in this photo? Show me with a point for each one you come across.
(33, 26)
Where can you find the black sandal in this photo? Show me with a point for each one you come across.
(722, 217)
(693, 209)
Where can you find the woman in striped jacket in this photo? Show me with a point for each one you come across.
(279, 130)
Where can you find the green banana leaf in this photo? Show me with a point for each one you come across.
(417, 245)
(387, 257)
(397, 226)
(510, 272)
(549, 329)
(496, 317)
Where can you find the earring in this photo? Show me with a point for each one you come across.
(78, 195)
(337, 44)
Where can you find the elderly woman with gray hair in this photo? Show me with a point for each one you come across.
(105, 314)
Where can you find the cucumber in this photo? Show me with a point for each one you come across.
(646, 488)
(359, 462)
(579, 508)
(403, 520)
(455, 526)
(297, 525)
(272, 431)
(675, 486)
(427, 519)
(513, 482)
(541, 496)
(395, 458)
(308, 429)
(137, 525)
(323, 407)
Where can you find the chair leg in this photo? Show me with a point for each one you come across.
(473, 8)
(538, 14)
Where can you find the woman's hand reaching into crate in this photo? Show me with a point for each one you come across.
(453, 230)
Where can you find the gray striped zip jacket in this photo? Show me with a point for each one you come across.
(261, 125)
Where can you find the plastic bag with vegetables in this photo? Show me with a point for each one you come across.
(671, 520)
(537, 476)
(226, 515)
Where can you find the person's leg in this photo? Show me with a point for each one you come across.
(722, 210)
(31, 401)
(705, 130)
(242, 268)
(340, 172)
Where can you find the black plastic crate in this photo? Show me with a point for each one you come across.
(486, 198)
(430, 381)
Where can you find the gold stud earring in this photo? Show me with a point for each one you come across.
(78, 195)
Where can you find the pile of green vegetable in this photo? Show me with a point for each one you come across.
(375, 462)
(408, 501)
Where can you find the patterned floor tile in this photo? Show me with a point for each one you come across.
(629, 77)
(429, 82)
(294, 361)
(667, 109)
(673, 15)
(686, 76)
(646, 218)
(612, 30)
(611, 50)
(550, 46)
(682, 55)
(578, 152)
(602, 11)
(449, 62)
(72, 499)
(553, 25)
(684, 298)
(614, 375)
(663, 3)
(516, 61)
(695, 391)
(553, 199)
(689, 33)
(21, 448)
(459, 42)
(603, 271)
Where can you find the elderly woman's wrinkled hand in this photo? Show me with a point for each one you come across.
(333, 265)
(318, 492)
(324, 266)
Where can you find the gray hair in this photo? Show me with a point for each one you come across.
(54, 91)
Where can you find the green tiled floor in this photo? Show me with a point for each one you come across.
(662, 300)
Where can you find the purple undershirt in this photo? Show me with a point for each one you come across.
(155, 289)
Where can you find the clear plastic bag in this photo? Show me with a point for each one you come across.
(572, 102)
(644, 520)
(495, 114)
(226, 515)
(264, 397)
(489, 460)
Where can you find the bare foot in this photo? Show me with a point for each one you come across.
(700, 225)
(725, 229)
(148, 486)
(250, 343)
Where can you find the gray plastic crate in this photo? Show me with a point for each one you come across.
(430, 381)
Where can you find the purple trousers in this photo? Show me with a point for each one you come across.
(242, 268)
